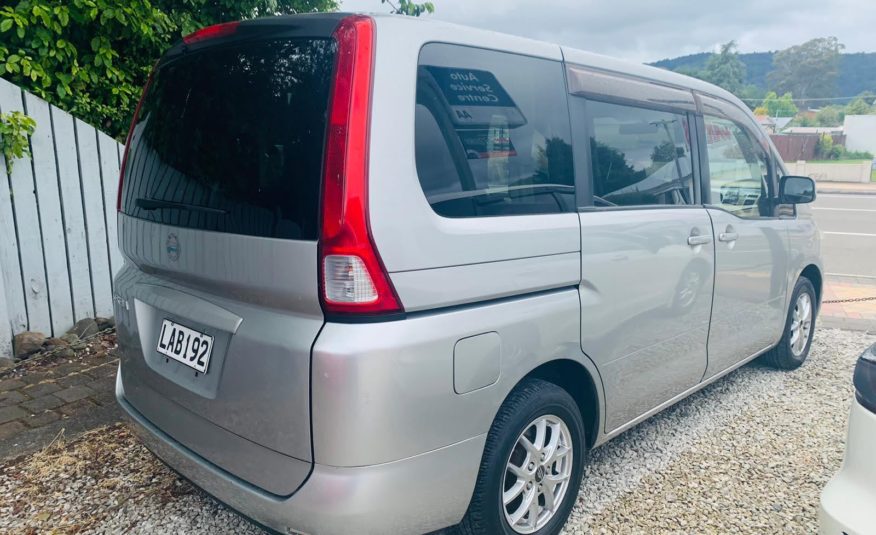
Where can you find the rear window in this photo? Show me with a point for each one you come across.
(492, 133)
(230, 139)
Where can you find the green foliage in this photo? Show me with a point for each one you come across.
(830, 116)
(859, 106)
(92, 57)
(777, 106)
(407, 7)
(15, 129)
(725, 69)
(826, 149)
(857, 70)
(807, 70)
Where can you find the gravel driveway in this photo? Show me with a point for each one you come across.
(749, 454)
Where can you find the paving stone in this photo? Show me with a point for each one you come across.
(10, 428)
(41, 419)
(8, 414)
(41, 389)
(73, 379)
(13, 397)
(105, 384)
(77, 407)
(37, 376)
(42, 404)
(104, 398)
(66, 368)
(10, 384)
(74, 393)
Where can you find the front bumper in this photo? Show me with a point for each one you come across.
(414, 495)
(847, 500)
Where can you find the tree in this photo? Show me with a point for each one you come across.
(407, 7)
(858, 106)
(830, 116)
(776, 106)
(809, 70)
(725, 69)
(92, 57)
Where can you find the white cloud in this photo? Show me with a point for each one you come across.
(643, 30)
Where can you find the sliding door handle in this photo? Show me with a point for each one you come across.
(728, 237)
(698, 239)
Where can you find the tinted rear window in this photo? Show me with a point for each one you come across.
(230, 139)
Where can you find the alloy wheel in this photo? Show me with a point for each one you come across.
(537, 474)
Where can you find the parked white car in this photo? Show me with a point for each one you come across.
(847, 503)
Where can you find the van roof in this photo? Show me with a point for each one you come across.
(585, 59)
(539, 48)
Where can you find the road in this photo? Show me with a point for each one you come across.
(848, 230)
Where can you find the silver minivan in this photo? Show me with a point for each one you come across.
(386, 275)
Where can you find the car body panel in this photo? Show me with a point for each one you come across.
(648, 345)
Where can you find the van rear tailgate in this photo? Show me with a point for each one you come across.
(257, 298)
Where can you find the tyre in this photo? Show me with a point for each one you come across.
(793, 348)
(532, 464)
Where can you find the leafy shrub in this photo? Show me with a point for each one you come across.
(15, 129)
(92, 57)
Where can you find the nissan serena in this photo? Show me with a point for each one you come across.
(387, 275)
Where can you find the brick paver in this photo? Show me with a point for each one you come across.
(7, 414)
(45, 397)
(840, 305)
(74, 393)
(42, 403)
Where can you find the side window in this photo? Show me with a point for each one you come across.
(639, 156)
(492, 133)
(738, 169)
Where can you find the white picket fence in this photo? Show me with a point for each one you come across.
(58, 248)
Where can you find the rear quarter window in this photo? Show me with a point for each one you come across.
(492, 133)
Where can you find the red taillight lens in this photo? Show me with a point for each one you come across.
(211, 32)
(352, 276)
(128, 139)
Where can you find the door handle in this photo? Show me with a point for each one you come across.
(728, 237)
(698, 239)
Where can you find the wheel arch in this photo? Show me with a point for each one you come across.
(813, 273)
(577, 380)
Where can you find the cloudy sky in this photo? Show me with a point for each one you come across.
(648, 30)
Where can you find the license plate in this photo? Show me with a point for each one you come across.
(185, 345)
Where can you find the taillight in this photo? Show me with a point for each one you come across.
(128, 139)
(211, 32)
(352, 276)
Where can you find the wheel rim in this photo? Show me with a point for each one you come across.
(537, 474)
(801, 324)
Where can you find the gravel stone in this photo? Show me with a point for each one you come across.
(749, 454)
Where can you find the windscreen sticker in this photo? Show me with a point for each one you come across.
(475, 97)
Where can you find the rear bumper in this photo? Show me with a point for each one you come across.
(414, 495)
(847, 500)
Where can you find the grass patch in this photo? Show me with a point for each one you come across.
(837, 161)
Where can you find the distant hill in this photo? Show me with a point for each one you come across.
(857, 70)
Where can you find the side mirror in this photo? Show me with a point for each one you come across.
(796, 190)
